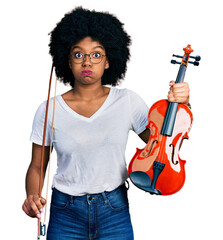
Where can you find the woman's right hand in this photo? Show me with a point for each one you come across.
(33, 205)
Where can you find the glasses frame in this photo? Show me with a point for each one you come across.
(84, 58)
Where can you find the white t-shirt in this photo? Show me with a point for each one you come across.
(91, 151)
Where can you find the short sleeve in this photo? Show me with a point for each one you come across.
(138, 111)
(38, 127)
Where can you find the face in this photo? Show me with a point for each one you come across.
(86, 73)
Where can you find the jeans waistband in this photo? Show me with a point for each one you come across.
(90, 197)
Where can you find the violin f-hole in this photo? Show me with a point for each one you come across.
(150, 150)
(172, 156)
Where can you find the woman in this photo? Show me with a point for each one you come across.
(92, 121)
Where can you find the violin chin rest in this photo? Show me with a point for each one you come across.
(142, 180)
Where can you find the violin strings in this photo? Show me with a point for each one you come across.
(161, 152)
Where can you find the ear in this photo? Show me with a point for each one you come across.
(106, 64)
(70, 61)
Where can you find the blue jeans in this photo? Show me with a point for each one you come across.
(103, 216)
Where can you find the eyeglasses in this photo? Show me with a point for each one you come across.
(79, 57)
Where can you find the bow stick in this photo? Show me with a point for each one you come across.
(42, 226)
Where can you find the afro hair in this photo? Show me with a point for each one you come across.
(100, 26)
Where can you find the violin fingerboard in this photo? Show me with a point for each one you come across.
(169, 120)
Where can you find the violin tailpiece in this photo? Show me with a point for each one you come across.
(157, 169)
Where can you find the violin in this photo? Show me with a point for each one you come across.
(157, 168)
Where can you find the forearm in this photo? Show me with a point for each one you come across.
(32, 180)
(145, 135)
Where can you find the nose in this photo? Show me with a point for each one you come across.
(87, 59)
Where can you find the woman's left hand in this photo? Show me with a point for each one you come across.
(179, 92)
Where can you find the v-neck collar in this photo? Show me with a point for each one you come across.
(77, 115)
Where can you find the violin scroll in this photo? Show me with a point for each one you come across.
(185, 58)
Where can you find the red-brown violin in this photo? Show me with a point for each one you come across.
(157, 168)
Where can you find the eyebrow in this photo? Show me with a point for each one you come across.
(74, 47)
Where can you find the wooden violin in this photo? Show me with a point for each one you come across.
(157, 168)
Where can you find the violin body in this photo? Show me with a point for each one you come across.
(157, 168)
(172, 177)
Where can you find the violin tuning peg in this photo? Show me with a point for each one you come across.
(177, 56)
(195, 63)
(197, 58)
(174, 62)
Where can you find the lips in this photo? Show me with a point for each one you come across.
(87, 72)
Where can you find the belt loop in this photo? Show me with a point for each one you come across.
(71, 201)
(105, 198)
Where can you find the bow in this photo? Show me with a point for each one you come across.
(42, 225)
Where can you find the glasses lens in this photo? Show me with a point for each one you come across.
(96, 57)
(78, 57)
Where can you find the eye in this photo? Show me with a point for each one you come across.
(96, 55)
(78, 55)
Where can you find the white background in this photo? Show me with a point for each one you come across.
(158, 29)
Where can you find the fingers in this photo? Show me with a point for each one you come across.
(171, 83)
(27, 211)
(179, 92)
(43, 201)
(33, 205)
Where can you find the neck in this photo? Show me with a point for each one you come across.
(88, 92)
